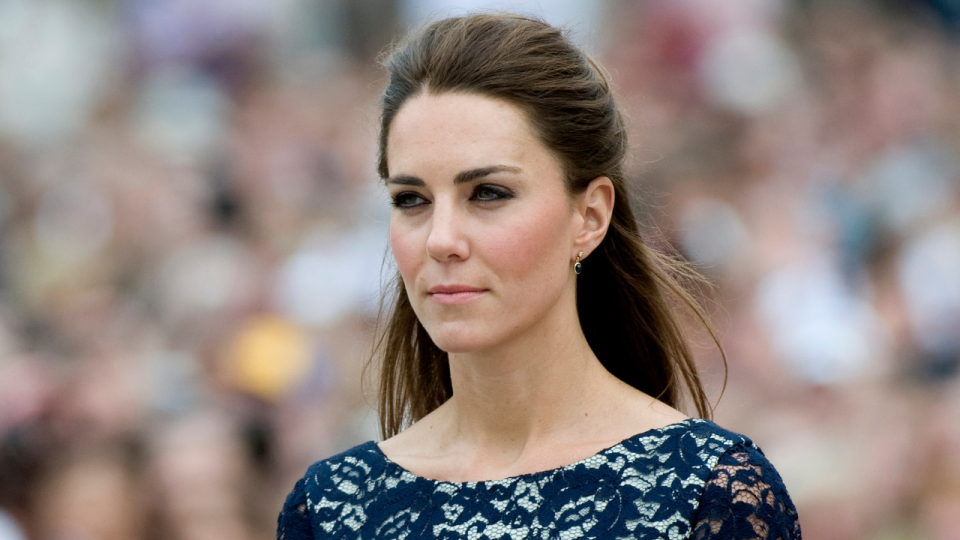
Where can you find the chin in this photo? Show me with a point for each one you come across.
(457, 339)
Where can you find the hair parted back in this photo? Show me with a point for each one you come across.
(624, 295)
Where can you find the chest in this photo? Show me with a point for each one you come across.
(638, 501)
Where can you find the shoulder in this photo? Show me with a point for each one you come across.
(694, 444)
(744, 497)
(661, 474)
(731, 489)
(330, 491)
(421, 438)
(345, 472)
(652, 462)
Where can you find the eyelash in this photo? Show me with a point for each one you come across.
(400, 200)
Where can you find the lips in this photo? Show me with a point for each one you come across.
(454, 294)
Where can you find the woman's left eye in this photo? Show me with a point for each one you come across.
(488, 193)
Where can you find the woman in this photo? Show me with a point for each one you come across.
(531, 342)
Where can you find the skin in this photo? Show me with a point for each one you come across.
(480, 207)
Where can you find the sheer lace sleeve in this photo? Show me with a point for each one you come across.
(745, 499)
(294, 520)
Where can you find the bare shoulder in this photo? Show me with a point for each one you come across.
(424, 450)
(634, 412)
(417, 441)
(659, 414)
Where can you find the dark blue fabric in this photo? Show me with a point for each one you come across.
(692, 479)
(745, 498)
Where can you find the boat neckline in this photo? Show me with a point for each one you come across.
(376, 448)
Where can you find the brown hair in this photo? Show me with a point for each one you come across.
(623, 296)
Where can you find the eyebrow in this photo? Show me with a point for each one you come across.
(461, 178)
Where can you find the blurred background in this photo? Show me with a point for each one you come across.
(192, 241)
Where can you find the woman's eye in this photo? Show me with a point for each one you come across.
(407, 200)
(486, 193)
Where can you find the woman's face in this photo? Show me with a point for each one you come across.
(482, 229)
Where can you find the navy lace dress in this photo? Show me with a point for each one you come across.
(692, 479)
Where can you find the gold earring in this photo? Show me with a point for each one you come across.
(577, 267)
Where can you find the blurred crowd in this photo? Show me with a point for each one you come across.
(193, 241)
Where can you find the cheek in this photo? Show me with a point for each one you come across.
(408, 250)
(530, 247)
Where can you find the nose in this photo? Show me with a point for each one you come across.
(447, 239)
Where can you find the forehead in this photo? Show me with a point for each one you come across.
(450, 132)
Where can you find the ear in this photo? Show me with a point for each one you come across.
(595, 208)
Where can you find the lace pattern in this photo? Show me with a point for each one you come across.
(294, 522)
(745, 499)
(692, 479)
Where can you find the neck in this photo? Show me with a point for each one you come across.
(527, 391)
(535, 402)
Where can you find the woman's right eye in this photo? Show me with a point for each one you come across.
(407, 200)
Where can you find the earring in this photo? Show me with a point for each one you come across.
(577, 267)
